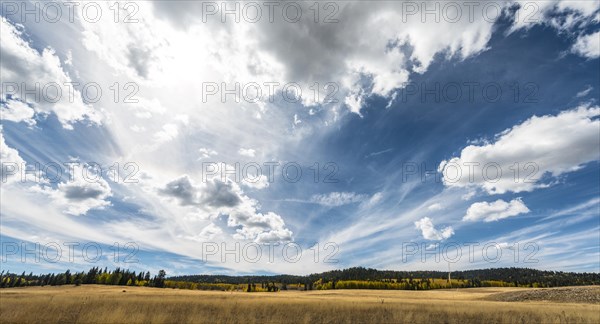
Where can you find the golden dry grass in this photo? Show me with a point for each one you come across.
(109, 304)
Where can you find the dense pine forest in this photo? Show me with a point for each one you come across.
(95, 275)
(352, 278)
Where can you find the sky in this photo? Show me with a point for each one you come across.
(298, 137)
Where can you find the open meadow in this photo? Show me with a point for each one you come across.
(110, 304)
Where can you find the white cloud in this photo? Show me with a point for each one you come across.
(584, 7)
(168, 133)
(134, 49)
(9, 158)
(432, 246)
(564, 15)
(210, 232)
(216, 197)
(69, 59)
(584, 92)
(436, 206)
(214, 193)
(588, 45)
(262, 228)
(374, 200)
(137, 128)
(22, 65)
(17, 111)
(247, 152)
(370, 39)
(336, 199)
(206, 153)
(372, 57)
(429, 232)
(82, 192)
(255, 181)
(147, 108)
(184, 119)
(496, 210)
(468, 195)
(354, 103)
(546, 145)
(588, 207)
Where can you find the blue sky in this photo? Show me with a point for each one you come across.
(511, 103)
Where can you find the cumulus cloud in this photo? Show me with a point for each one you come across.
(136, 49)
(206, 153)
(262, 228)
(247, 152)
(372, 57)
(588, 45)
(494, 211)
(397, 46)
(221, 194)
(17, 111)
(21, 66)
(219, 197)
(213, 193)
(468, 195)
(11, 162)
(429, 232)
(564, 15)
(392, 39)
(567, 16)
(547, 145)
(83, 191)
(183, 190)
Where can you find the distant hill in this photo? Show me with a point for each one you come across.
(514, 276)
(352, 278)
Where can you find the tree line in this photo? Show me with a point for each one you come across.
(352, 278)
(118, 276)
(367, 278)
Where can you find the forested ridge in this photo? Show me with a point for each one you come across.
(352, 278)
(367, 278)
(523, 275)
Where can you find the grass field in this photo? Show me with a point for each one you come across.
(110, 304)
